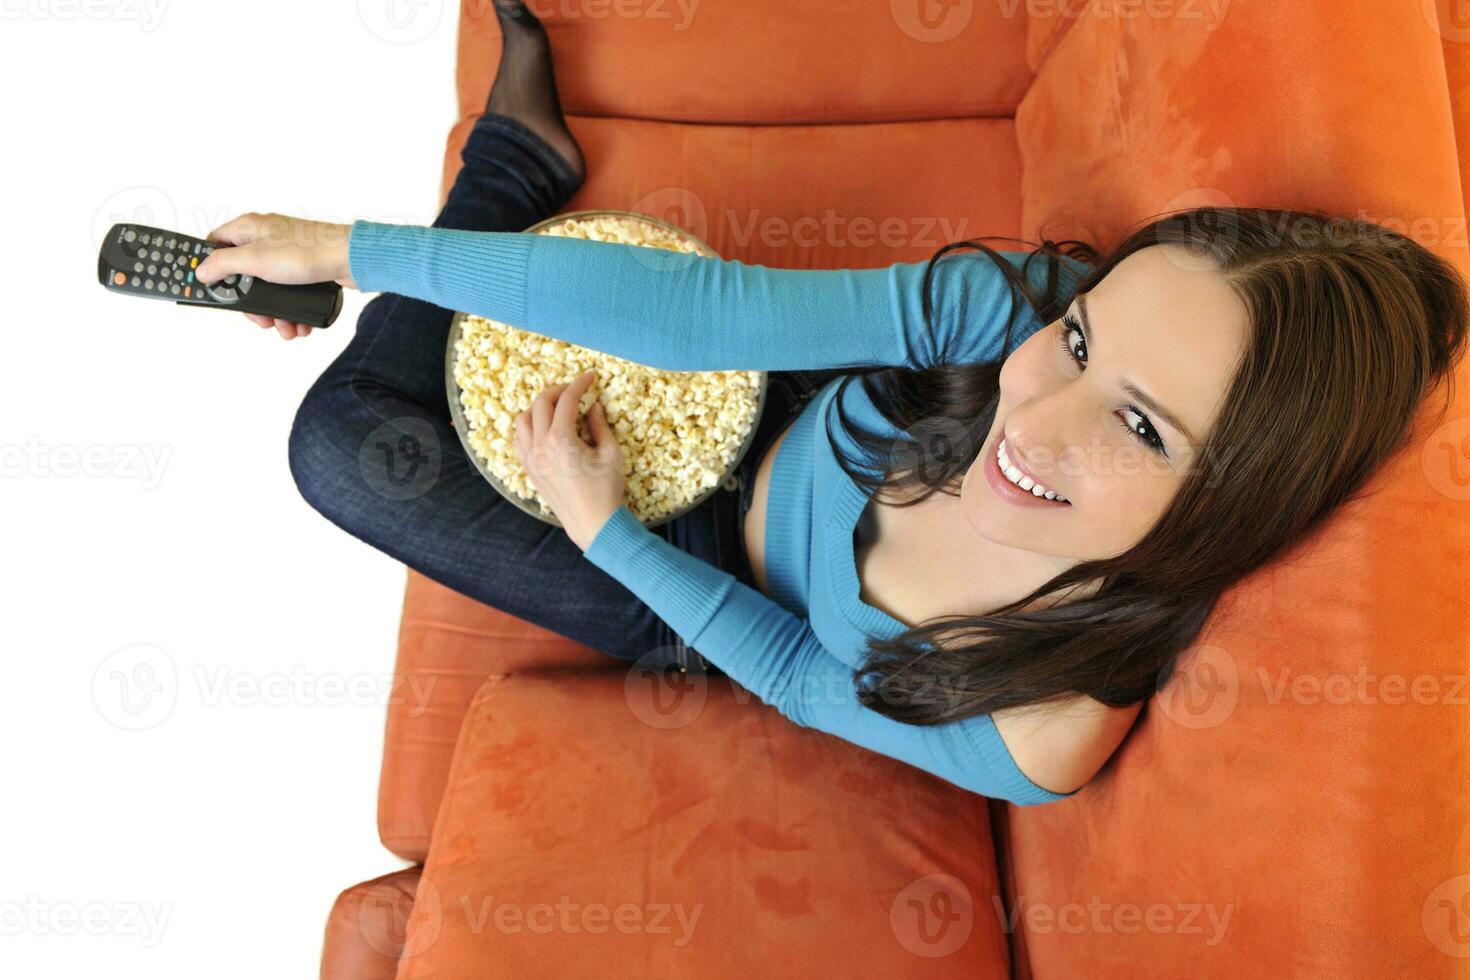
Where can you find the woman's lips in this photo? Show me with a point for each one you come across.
(1007, 490)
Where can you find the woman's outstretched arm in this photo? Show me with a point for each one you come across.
(683, 312)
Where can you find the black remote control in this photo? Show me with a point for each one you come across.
(141, 261)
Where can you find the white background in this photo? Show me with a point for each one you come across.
(198, 820)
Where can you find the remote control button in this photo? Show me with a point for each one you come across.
(152, 269)
(232, 278)
(225, 294)
(142, 253)
(245, 283)
(148, 284)
(153, 255)
(135, 280)
(131, 236)
(118, 278)
(175, 290)
(171, 243)
(188, 290)
(162, 286)
(191, 277)
(197, 247)
(178, 273)
(137, 267)
(168, 257)
(194, 263)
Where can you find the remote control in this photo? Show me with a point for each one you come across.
(141, 261)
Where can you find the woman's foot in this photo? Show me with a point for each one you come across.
(525, 86)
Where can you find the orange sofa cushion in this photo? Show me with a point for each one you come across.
(613, 823)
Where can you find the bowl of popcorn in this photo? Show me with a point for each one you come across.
(683, 433)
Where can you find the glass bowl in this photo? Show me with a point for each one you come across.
(461, 424)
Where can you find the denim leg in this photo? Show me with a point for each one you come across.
(371, 447)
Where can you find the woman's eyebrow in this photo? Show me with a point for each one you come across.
(1144, 397)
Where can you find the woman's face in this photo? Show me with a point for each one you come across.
(1163, 321)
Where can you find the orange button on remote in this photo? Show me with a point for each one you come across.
(120, 278)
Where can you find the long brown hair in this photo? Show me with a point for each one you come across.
(1352, 324)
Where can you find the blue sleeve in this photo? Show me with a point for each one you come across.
(775, 655)
(683, 312)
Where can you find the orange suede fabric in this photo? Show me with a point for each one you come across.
(1243, 828)
(579, 838)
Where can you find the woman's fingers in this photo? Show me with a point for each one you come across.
(260, 321)
(541, 409)
(565, 417)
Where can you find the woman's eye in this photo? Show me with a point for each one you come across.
(1069, 327)
(1149, 436)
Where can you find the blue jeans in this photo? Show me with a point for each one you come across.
(372, 448)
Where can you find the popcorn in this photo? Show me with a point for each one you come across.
(679, 430)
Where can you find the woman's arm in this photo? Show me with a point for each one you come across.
(683, 312)
(777, 657)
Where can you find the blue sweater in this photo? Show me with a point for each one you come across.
(795, 650)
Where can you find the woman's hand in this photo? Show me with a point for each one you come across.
(273, 247)
(583, 484)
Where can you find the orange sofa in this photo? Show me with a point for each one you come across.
(1292, 803)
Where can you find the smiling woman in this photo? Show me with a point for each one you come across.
(1194, 399)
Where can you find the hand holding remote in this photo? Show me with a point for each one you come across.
(279, 249)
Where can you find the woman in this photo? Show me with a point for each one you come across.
(978, 560)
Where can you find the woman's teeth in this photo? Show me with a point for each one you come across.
(1021, 480)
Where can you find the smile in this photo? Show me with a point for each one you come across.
(1016, 479)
